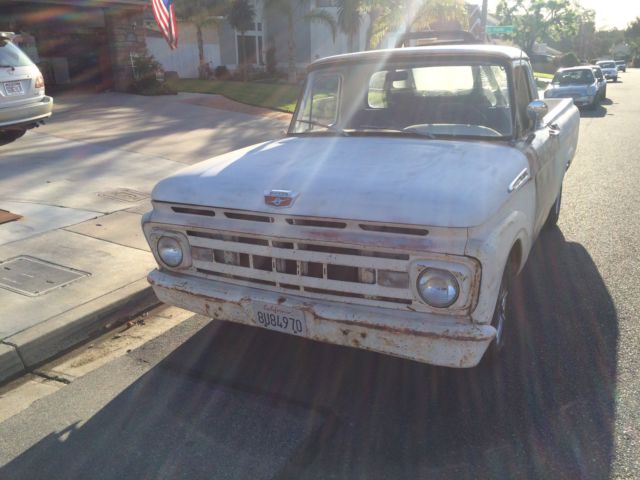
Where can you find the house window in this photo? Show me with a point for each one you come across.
(252, 44)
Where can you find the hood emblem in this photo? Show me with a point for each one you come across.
(280, 198)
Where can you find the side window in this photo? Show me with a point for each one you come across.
(494, 85)
(321, 105)
(523, 97)
(377, 97)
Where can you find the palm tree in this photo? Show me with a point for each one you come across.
(440, 14)
(201, 13)
(349, 19)
(426, 14)
(240, 16)
(288, 9)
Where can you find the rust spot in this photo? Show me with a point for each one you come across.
(363, 335)
(281, 300)
(355, 342)
(408, 331)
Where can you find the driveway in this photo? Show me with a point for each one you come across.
(102, 153)
(79, 186)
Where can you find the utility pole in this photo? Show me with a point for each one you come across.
(483, 19)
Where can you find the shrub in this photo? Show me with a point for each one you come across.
(569, 60)
(147, 72)
(221, 72)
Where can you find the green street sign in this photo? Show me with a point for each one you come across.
(493, 30)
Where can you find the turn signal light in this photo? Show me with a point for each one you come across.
(39, 81)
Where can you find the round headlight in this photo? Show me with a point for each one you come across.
(170, 251)
(438, 288)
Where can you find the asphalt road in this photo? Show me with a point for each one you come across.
(236, 402)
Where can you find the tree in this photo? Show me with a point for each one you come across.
(440, 15)
(288, 9)
(349, 20)
(241, 17)
(632, 36)
(423, 15)
(539, 20)
(200, 13)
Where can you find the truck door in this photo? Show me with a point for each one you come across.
(543, 146)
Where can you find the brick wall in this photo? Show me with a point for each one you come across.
(125, 36)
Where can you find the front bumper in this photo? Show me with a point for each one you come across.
(423, 337)
(611, 76)
(26, 114)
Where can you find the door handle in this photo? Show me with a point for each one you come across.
(554, 130)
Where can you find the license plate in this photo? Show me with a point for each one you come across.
(13, 88)
(279, 318)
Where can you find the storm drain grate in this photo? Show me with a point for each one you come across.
(32, 277)
(125, 195)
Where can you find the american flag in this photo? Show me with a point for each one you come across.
(166, 18)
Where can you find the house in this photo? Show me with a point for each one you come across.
(79, 44)
(223, 45)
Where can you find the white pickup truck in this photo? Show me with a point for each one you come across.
(392, 217)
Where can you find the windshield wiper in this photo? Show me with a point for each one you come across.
(333, 128)
(7, 66)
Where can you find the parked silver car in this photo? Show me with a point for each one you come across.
(23, 103)
(579, 83)
(602, 82)
(609, 68)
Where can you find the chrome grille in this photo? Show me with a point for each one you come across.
(317, 269)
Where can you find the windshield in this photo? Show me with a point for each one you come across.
(417, 98)
(12, 56)
(607, 65)
(574, 77)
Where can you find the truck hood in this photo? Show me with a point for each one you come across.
(391, 180)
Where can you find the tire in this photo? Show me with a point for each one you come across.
(503, 314)
(604, 94)
(554, 213)
(8, 136)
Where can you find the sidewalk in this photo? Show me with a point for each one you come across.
(76, 262)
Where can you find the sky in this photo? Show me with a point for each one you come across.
(609, 13)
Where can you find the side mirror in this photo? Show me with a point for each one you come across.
(536, 111)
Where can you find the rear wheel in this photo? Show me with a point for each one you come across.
(8, 136)
(604, 93)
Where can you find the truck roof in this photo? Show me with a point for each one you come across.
(499, 52)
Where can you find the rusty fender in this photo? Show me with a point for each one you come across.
(423, 337)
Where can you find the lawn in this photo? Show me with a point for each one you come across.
(269, 95)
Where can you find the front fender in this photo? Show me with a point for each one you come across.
(491, 245)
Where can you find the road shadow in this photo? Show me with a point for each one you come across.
(545, 411)
(598, 112)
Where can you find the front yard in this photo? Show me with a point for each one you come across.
(269, 95)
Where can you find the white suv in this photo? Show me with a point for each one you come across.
(23, 104)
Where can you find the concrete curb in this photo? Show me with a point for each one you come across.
(30, 348)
